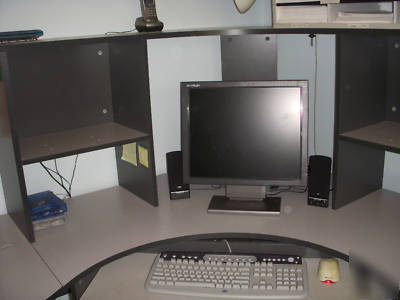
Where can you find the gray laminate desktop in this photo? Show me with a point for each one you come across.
(23, 274)
(108, 222)
(105, 223)
(125, 278)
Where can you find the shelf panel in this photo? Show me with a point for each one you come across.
(384, 134)
(338, 27)
(69, 142)
(295, 28)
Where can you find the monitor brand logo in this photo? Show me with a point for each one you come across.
(195, 85)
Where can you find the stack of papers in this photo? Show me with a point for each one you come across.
(294, 1)
(350, 17)
(302, 14)
(305, 1)
(47, 210)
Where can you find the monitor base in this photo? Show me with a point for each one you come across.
(223, 204)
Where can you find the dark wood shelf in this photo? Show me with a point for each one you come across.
(193, 32)
(90, 94)
(69, 142)
(384, 135)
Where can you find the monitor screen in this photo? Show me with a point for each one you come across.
(247, 133)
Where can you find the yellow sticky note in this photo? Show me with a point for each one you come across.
(143, 156)
(129, 154)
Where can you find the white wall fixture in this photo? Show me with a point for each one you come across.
(243, 5)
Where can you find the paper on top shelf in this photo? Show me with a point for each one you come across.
(349, 17)
(294, 1)
(329, 1)
(302, 14)
(306, 1)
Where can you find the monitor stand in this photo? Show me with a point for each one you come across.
(245, 200)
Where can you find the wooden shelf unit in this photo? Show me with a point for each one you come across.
(74, 141)
(367, 116)
(76, 95)
(67, 97)
(385, 135)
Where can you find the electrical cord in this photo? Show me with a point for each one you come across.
(315, 92)
(62, 178)
(120, 32)
(51, 175)
(57, 173)
(56, 167)
(212, 187)
(73, 173)
(229, 246)
(289, 189)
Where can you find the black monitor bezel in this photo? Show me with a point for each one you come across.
(185, 131)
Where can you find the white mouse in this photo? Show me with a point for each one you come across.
(328, 270)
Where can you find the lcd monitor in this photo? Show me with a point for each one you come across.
(245, 133)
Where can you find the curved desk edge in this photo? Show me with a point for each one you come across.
(108, 224)
(231, 235)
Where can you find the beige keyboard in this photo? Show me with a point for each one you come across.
(259, 276)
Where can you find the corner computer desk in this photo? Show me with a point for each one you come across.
(120, 224)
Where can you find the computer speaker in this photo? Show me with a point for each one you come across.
(177, 189)
(319, 180)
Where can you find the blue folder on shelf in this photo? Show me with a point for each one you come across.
(20, 35)
(45, 205)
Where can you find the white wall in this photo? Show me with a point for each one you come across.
(170, 62)
(391, 178)
(296, 60)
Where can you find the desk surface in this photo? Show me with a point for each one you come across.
(23, 274)
(105, 223)
(125, 278)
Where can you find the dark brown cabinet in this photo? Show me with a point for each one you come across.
(367, 120)
(69, 97)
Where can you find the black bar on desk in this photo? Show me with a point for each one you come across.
(358, 171)
(13, 180)
(140, 179)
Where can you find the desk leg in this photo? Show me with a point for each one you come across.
(79, 288)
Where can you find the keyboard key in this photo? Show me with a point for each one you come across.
(282, 288)
(195, 284)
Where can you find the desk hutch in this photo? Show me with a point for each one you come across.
(71, 96)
